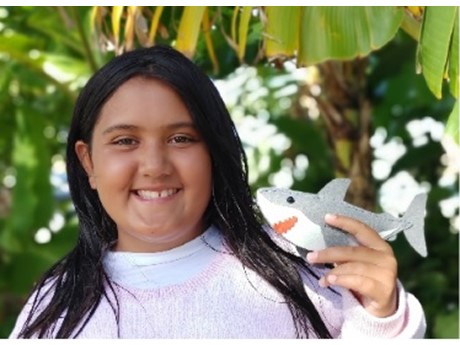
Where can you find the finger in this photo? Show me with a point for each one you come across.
(364, 234)
(339, 255)
(386, 276)
(377, 298)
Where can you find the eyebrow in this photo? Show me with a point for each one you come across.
(128, 127)
(119, 127)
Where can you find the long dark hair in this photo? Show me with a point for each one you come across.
(79, 281)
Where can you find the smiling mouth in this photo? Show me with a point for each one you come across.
(285, 225)
(153, 195)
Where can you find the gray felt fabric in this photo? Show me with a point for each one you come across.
(308, 210)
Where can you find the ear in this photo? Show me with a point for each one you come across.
(84, 155)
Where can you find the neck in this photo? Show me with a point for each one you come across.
(151, 270)
(130, 241)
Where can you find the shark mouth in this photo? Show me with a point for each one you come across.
(285, 225)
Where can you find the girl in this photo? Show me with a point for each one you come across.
(170, 242)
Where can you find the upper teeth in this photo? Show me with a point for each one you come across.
(150, 194)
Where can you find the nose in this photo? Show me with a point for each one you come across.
(154, 160)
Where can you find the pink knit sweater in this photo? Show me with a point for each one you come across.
(225, 300)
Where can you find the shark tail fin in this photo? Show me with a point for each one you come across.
(415, 215)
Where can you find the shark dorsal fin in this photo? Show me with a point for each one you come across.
(336, 189)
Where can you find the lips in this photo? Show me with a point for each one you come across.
(155, 194)
(285, 225)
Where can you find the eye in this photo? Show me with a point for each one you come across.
(181, 139)
(290, 200)
(124, 141)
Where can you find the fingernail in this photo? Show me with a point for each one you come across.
(312, 256)
(322, 282)
(331, 278)
(330, 217)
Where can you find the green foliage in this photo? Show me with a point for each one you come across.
(436, 39)
(42, 65)
(452, 126)
(447, 324)
(345, 32)
(46, 55)
(399, 97)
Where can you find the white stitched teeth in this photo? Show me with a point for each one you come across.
(150, 194)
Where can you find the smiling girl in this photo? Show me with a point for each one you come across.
(150, 167)
(171, 244)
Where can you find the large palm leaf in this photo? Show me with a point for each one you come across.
(308, 34)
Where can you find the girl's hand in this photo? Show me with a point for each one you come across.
(368, 270)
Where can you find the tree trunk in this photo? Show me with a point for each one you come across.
(345, 110)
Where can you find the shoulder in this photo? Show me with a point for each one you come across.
(327, 301)
(280, 241)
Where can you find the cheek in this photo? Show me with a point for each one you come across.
(206, 178)
(113, 170)
(206, 185)
(206, 171)
(198, 172)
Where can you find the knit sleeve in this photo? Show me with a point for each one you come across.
(407, 322)
(346, 318)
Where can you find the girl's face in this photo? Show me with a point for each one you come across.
(150, 167)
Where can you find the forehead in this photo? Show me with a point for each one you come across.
(144, 101)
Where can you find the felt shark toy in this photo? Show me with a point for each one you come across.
(299, 217)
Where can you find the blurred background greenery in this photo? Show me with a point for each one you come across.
(315, 92)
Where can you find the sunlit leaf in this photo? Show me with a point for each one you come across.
(96, 18)
(129, 27)
(209, 45)
(65, 68)
(117, 12)
(282, 30)
(154, 26)
(453, 123)
(89, 19)
(233, 24)
(433, 50)
(415, 11)
(453, 61)
(411, 26)
(243, 31)
(345, 32)
(189, 29)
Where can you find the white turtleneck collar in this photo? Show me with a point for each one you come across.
(174, 266)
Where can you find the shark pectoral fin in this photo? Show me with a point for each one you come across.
(302, 252)
(415, 215)
(336, 189)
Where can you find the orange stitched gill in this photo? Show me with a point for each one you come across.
(285, 225)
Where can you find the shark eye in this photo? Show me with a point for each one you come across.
(290, 200)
